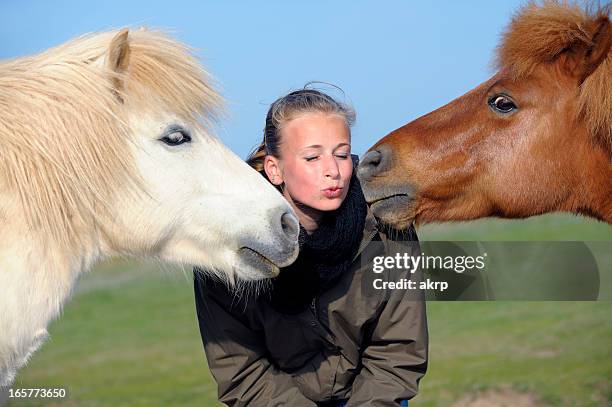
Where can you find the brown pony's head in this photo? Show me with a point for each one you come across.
(535, 138)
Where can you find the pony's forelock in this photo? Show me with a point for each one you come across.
(538, 34)
(64, 128)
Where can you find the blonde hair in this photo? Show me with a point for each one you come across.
(288, 107)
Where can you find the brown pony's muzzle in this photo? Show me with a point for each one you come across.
(388, 200)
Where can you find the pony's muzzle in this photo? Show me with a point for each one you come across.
(277, 248)
(284, 228)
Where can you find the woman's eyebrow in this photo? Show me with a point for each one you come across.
(318, 146)
(341, 145)
(311, 146)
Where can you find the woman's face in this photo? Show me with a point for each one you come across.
(315, 160)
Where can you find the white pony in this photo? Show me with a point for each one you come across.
(105, 149)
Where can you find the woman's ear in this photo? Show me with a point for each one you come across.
(273, 170)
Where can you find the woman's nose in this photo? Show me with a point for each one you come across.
(331, 168)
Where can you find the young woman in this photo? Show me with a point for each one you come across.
(315, 338)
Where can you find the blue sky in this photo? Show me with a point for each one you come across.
(395, 60)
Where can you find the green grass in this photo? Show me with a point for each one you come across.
(129, 336)
(559, 351)
(555, 226)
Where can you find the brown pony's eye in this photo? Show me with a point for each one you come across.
(502, 104)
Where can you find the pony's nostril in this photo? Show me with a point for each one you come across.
(289, 224)
(371, 164)
(372, 159)
(375, 162)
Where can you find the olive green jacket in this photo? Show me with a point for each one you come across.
(368, 349)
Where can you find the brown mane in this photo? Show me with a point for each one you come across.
(539, 33)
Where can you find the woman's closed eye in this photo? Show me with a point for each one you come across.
(342, 156)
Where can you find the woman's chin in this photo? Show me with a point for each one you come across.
(328, 204)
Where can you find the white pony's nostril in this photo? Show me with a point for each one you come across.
(289, 225)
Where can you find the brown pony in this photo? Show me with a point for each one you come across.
(535, 138)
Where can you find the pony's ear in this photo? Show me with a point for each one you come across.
(584, 57)
(118, 59)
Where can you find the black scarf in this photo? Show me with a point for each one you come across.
(324, 255)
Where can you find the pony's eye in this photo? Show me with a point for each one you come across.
(502, 104)
(176, 138)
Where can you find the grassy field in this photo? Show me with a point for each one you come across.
(129, 337)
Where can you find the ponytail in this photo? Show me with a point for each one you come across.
(256, 158)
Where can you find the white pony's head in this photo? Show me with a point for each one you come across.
(114, 142)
